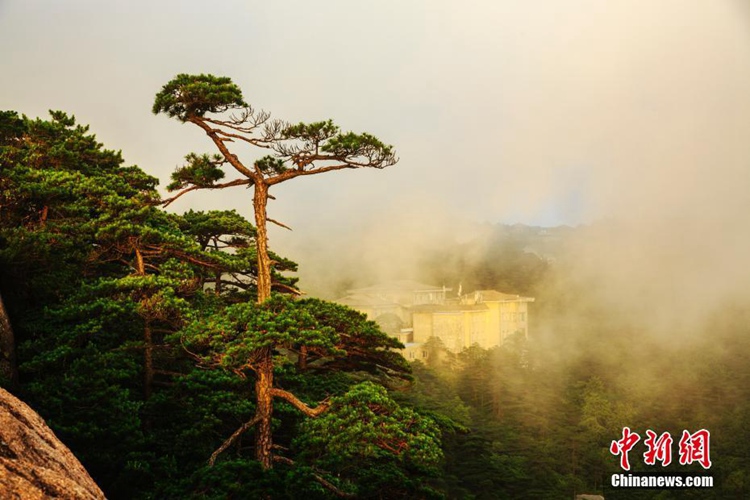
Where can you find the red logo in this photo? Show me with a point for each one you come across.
(623, 446)
(693, 447)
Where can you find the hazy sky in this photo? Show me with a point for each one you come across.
(535, 111)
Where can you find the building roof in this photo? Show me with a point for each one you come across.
(495, 296)
(361, 299)
(438, 308)
(398, 286)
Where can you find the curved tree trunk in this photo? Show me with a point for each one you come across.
(8, 368)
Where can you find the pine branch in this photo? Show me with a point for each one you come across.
(226, 444)
(228, 156)
(237, 182)
(278, 223)
(325, 483)
(301, 406)
(288, 288)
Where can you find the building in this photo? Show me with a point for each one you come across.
(414, 312)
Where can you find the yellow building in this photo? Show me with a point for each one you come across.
(415, 312)
(457, 325)
(508, 313)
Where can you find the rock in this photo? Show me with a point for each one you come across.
(34, 464)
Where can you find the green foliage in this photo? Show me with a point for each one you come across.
(366, 426)
(353, 145)
(59, 144)
(188, 96)
(188, 420)
(432, 393)
(90, 404)
(201, 171)
(335, 337)
(100, 277)
(312, 132)
(270, 165)
(87, 263)
(207, 227)
(228, 239)
(221, 230)
(234, 335)
(81, 371)
(327, 137)
(240, 478)
(299, 149)
(58, 183)
(11, 127)
(362, 341)
(366, 423)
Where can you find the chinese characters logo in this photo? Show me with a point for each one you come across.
(692, 448)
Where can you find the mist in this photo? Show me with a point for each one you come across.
(631, 122)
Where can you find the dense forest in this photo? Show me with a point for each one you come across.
(138, 335)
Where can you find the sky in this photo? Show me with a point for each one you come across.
(541, 112)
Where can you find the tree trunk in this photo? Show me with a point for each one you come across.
(264, 409)
(260, 200)
(264, 370)
(302, 359)
(8, 368)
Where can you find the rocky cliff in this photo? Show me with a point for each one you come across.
(34, 464)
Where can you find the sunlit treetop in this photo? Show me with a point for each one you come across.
(187, 96)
